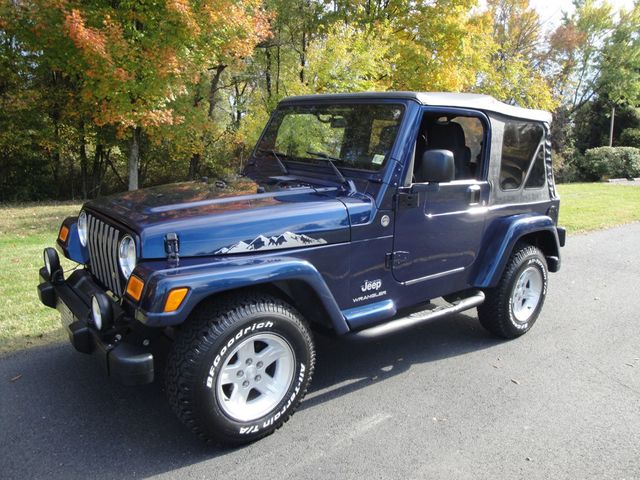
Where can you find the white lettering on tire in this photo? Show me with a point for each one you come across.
(274, 418)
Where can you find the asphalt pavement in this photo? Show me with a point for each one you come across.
(445, 400)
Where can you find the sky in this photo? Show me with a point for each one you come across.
(550, 11)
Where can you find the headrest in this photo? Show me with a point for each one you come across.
(450, 135)
(387, 134)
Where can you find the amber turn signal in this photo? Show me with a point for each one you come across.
(174, 299)
(64, 233)
(134, 287)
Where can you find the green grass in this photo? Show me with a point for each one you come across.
(26, 229)
(592, 206)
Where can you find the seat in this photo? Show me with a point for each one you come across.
(385, 139)
(450, 136)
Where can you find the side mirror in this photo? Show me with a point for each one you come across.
(437, 166)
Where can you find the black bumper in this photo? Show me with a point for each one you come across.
(126, 361)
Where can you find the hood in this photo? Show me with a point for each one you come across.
(229, 217)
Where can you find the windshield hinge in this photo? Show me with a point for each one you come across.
(407, 200)
(350, 186)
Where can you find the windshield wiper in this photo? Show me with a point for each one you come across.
(329, 159)
(275, 155)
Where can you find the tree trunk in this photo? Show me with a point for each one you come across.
(303, 57)
(267, 72)
(194, 166)
(96, 171)
(134, 159)
(54, 115)
(57, 157)
(613, 116)
(83, 160)
(194, 162)
(278, 65)
(306, 39)
(213, 89)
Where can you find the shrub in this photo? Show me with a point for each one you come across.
(611, 162)
(630, 137)
(565, 169)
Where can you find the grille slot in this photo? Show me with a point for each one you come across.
(103, 253)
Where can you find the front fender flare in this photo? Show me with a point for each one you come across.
(222, 275)
(72, 248)
(501, 237)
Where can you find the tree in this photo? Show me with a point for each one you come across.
(619, 80)
(514, 72)
(348, 59)
(572, 65)
(132, 61)
(575, 51)
(438, 46)
(97, 92)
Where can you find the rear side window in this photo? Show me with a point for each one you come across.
(519, 145)
(537, 175)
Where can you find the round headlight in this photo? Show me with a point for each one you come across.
(96, 314)
(127, 255)
(82, 228)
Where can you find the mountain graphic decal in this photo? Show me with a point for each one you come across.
(284, 240)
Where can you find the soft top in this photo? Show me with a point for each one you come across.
(437, 99)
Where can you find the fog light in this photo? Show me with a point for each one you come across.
(51, 261)
(101, 312)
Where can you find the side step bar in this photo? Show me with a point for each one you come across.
(417, 318)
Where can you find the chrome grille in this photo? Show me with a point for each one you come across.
(103, 253)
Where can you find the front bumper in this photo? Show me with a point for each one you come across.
(119, 349)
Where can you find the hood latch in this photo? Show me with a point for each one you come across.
(172, 247)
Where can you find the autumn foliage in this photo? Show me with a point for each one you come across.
(96, 95)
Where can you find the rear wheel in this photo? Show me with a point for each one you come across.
(513, 306)
(239, 368)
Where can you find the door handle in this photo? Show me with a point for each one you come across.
(473, 194)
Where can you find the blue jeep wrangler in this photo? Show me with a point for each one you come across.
(357, 214)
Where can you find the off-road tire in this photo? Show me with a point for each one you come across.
(205, 343)
(496, 314)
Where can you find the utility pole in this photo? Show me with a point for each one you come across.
(613, 114)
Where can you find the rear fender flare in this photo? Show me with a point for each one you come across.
(501, 238)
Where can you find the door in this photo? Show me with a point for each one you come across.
(439, 226)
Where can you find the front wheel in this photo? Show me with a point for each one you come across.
(513, 306)
(239, 368)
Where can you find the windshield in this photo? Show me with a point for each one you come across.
(354, 136)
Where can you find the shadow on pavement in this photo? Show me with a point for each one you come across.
(63, 419)
(344, 366)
